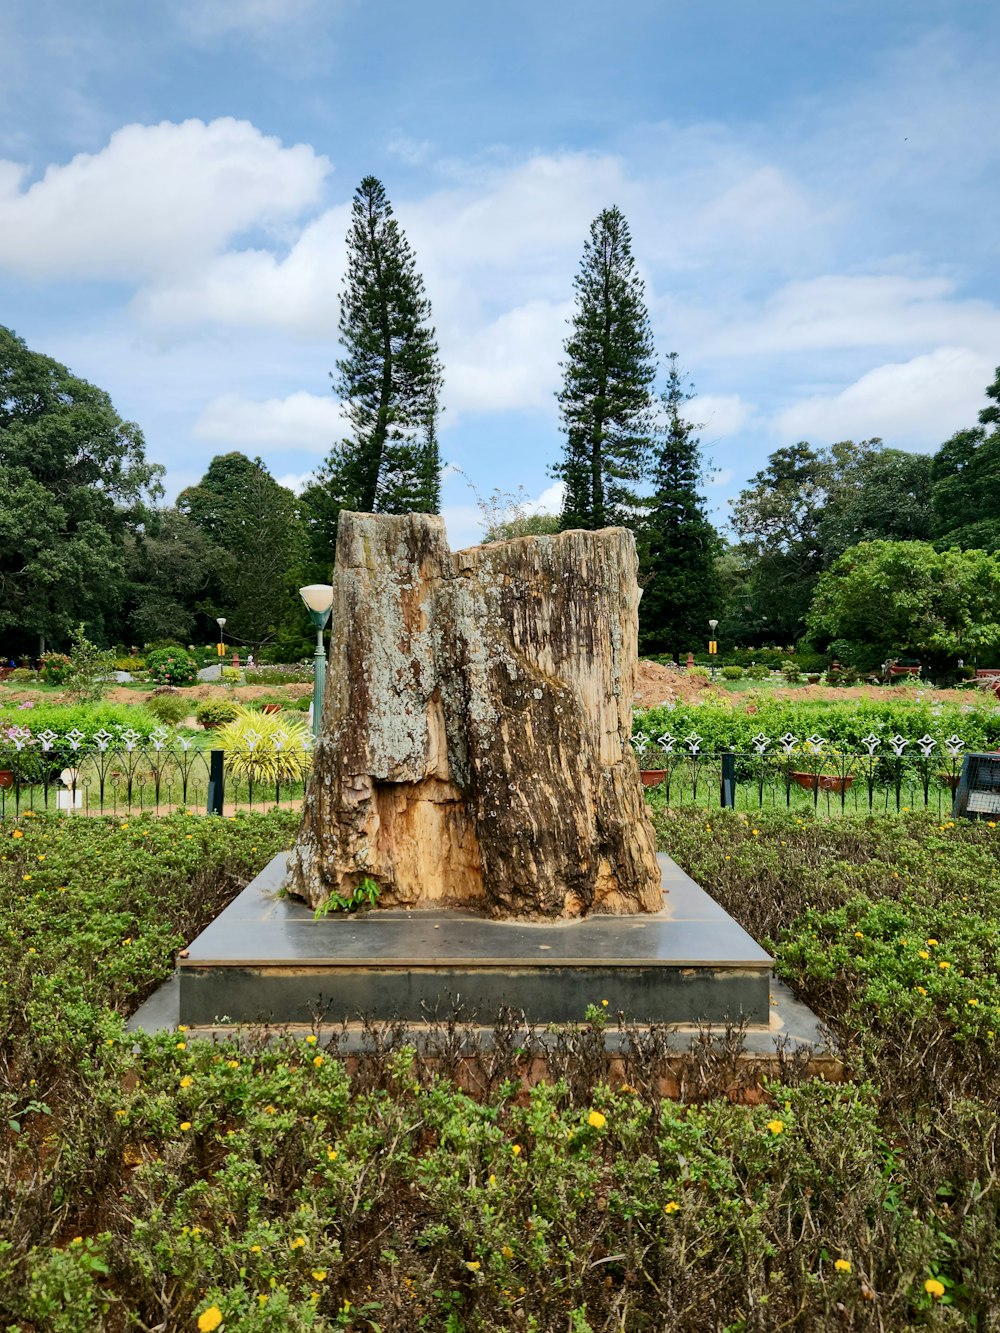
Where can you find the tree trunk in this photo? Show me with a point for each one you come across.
(475, 742)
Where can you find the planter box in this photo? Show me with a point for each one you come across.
(652, 777)
(824, 781)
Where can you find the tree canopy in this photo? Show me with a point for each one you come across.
(74, 483)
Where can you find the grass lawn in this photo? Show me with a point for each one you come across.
(163, 1183)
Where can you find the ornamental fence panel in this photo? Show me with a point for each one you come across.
(884, 775)
(131, 774)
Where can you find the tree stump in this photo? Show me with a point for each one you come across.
(475, 742)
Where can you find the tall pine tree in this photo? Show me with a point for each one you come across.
(678, 543)
(389, 377)
(608, 374)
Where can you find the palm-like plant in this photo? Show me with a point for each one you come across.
(261, 747)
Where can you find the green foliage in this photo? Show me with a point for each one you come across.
(843, 724)
(23, 676)
(732, 673)
(55, 668)
(152, 1178)
(130, 664)
(277, 675)
(256, 527)
(606, 399)
(966, 476)
(365, 894)
(169, 708)
(91, 669)
(213, 712)
(171, 666)
(791, 673)
(757, 672)
(389, 377)
(906, 597)
(265, 748)
(678, 545)
(74, 483)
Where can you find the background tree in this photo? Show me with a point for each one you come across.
(172, 569)
(606, 399)
(74, 482)
(966, 477)
(678, 544)
(890, 599)
(875, 494)
(389, 377)
(256, 526)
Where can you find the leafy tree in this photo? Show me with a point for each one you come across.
(966, 477)
(172, 569)
(389, 377)
(892, 599)
(678, 543)
(74, 482)
(806, 508)
(257, 526)
(606, 400)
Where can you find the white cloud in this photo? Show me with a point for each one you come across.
(212, 18)
(295, 481)
(512, 363)
(550, 501)
(916, 404)
(156, 199)
(300, 421)
(874, 310)
(718, 414)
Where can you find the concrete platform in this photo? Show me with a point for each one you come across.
(267, 959)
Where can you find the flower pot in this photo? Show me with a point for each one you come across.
(6, 777)
(270, 708)
(652, 777)
(824, 781)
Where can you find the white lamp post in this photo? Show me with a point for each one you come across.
(318, 599)
(221, 622)
(712, 645)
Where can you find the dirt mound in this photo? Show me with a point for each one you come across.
(656, 684)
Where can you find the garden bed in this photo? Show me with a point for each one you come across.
(154, 1181)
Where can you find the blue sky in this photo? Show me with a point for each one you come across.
(812, 189)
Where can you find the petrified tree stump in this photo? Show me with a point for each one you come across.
(475, 744)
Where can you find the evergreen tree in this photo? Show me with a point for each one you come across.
(678, 543)
(389, 377)
(966, 477)
(608, 374)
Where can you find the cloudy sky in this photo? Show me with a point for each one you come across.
(813, 192)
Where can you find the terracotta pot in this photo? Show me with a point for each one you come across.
(825, 781)
(6, 777)
(652, 777)
(270, 708)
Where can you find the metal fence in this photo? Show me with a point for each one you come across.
(891, 774)
(131, 774)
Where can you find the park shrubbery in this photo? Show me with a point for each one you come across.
(842, 724)
(153, 1181)
(171, 666)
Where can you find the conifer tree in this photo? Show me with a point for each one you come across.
(608, 374)
(678, 543)
(389, 376)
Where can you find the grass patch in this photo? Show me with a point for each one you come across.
(150, 1183)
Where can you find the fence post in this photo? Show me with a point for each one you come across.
(216, 782)
(727, 784)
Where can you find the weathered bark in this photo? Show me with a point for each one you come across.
(475, 745)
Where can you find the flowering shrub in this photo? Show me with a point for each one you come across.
(171, 666)
(56, 668)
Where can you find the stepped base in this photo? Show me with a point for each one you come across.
(266, 959)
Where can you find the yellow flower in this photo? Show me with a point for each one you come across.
(972, 1001)
(843, 1265)
(776, 1126)
(270, 1110)
(182, 1046)
(319, 1274)
(921, 990)
(262, 1298)
(924, 954)
(255, 1249)
(516, 1149)
(232, 1064)
(209, 1319)
(185, 1125)
(474, 1266)
(317, 1060)
(604, 1004)
(597, 1120)
(186, 1081)
(331, 1153)
(17, 833)
(944, 965)
(507, 1252)
(858, 935)
(182, 1027)
(312, 1039)
(299, 1243)
(934, 1288)
(671, 1207)
(492, 1180)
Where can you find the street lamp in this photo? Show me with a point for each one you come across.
(713, 646)
(220, 647)
(318, 598)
